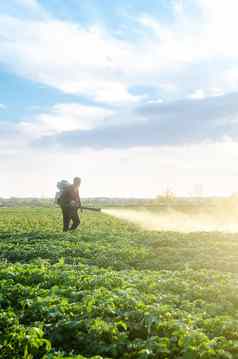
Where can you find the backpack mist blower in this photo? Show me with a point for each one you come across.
(61, 186)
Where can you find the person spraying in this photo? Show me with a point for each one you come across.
(69, 200)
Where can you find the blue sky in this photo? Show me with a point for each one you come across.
(127, 84)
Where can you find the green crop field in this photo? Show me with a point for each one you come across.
(113, 290)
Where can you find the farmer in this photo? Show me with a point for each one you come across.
(70, 203)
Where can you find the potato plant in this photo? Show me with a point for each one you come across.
(112, 290)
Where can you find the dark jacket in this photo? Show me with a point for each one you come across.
(69, 194)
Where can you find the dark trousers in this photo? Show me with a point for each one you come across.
(70, 214)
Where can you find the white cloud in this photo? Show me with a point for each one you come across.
(194, 56)
(24, 9)
(197, 95)
(63, 55)
(158, 100)
(62, 118)
(90, 61)
(32, 4)
(11, 140)
(111, 173)
(2, 106)
(200, 94)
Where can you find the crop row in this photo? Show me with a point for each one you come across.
(112, 290)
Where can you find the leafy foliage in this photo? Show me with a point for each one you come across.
(112, 290)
